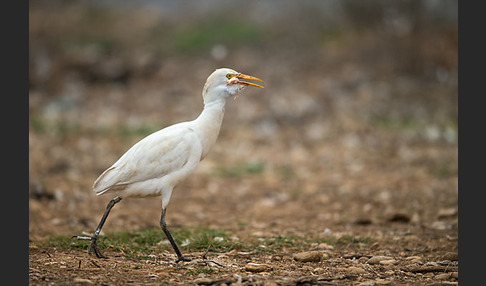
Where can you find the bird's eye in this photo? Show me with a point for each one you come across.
(230, 75)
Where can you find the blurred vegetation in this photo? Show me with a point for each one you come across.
(410, 45)
(241, 169)
(208, 34)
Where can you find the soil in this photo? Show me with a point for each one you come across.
(367, 157)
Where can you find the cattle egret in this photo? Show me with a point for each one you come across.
(160, 161)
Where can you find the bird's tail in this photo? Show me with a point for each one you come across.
(104, 182)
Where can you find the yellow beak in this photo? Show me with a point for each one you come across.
(244, 76)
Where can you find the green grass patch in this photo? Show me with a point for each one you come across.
(207, 34)
(37, 125)
(398, 124)
(135, 245)
(139, 130)
(139, 245)
(202, 239)
(240, 170)
(62, 128)
(346, 241)
(59, 128)
(280, 243)
(445, 171)
(285, 172)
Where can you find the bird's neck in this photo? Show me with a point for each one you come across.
(209, 123)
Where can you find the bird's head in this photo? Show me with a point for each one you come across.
(225, 82)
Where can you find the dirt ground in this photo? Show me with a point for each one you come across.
(349, 155)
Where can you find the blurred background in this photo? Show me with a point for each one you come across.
(357, 123)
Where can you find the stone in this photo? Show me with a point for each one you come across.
(82, 281)
(377, 259)
(356, 270)
(380, 281)
(255, 267)
(363, 259)
(203, 281)
(414, 259)
(324, 246)
(308, 256)
(388, 262)
(447, 213)
(452, 256)
(442, 276)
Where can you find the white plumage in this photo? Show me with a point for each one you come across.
(160, 161)
(154, 165)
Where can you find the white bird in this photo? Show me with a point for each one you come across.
(162, 160)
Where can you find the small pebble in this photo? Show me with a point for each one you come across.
(202, 281)
(414, 259)
(388, 262)
(255, 267)
(452, 256)
(82, 281)
(443, 276)
(363, 259)
(308, 256)
(377, 259)
(324, 246)
(447, 213)
(356, 270)
(380, 281)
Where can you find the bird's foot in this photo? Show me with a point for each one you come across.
(93, 246)
(182, 258)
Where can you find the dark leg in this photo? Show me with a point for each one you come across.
(171, 240)
(93, 245)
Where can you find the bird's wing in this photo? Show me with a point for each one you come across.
(154, 156)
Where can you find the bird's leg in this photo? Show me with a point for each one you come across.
(163, 225)
(94, 245)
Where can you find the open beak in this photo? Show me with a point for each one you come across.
(244, 76)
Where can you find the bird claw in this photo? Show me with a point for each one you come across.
(93, 246)
(182, 258)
